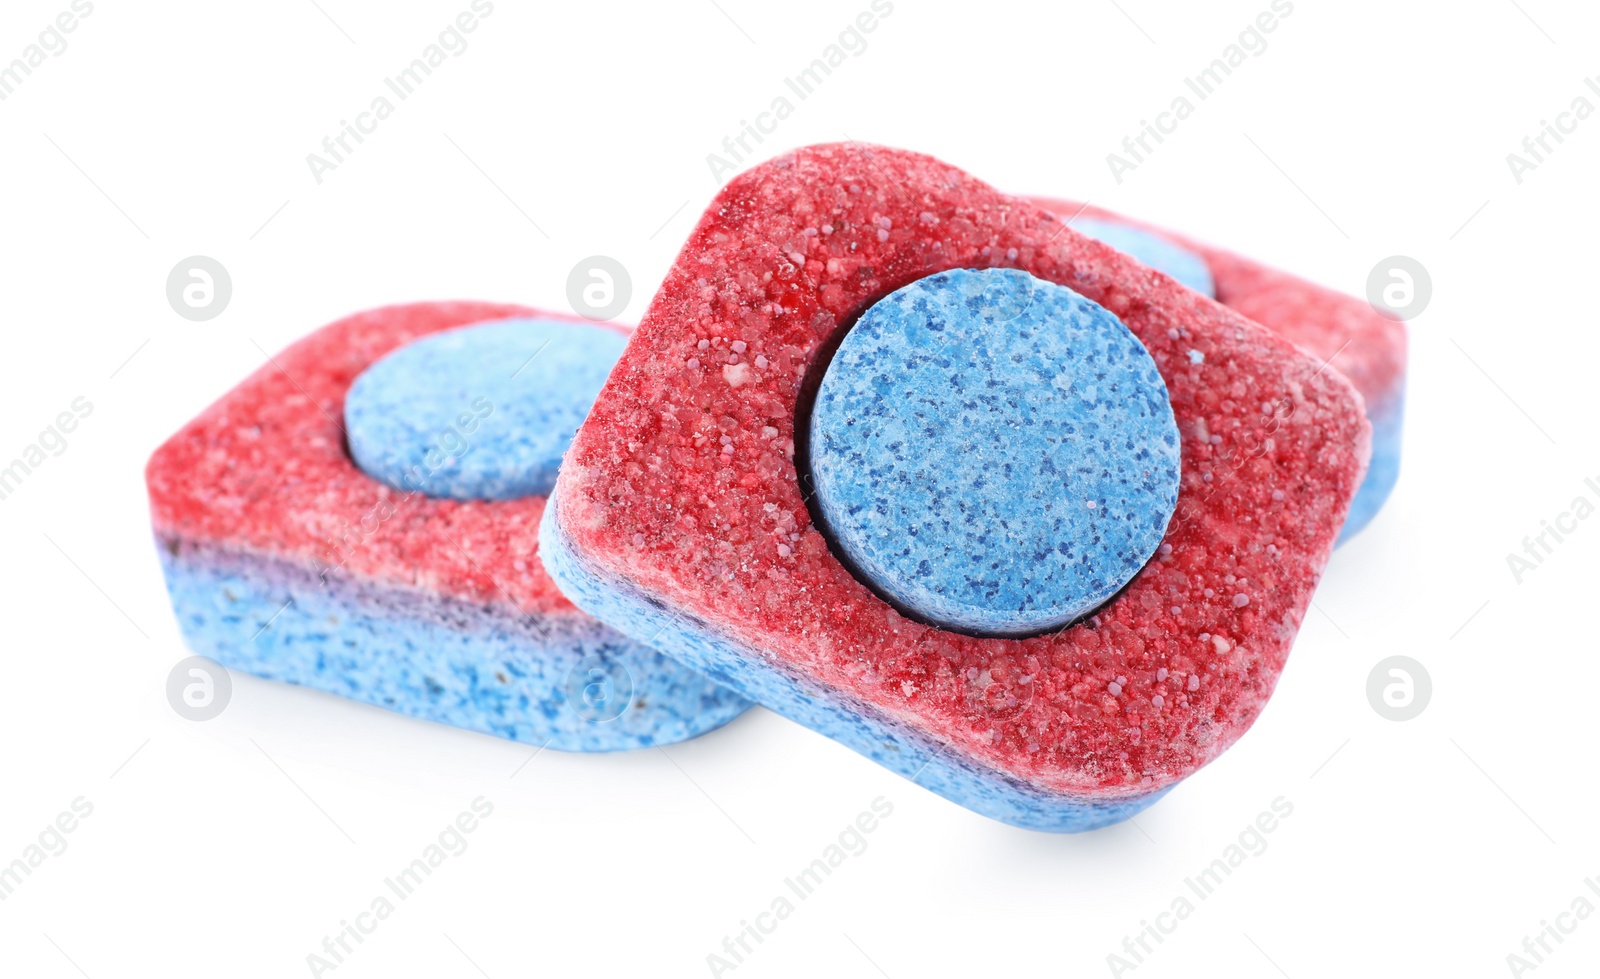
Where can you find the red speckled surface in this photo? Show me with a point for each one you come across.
(1366, 347)
(683, 479)
(264, 470)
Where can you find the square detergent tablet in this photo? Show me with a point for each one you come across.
(913, 463)
(360, 516)
(1347, 333)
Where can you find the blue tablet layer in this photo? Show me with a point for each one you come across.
(481, 412)
(874, 733)
(559, 681)
(993, 453)
(1383, 471)
(1160, 254)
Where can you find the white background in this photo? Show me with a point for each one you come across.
(1429, 847)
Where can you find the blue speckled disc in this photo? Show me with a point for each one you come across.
(481, 412)
(1153, 250)
(993, 453)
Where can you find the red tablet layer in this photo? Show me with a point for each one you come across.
(265, 470)
(683, 480)
(1366, 347)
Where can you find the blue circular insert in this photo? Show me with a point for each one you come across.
(1168, 258)
(994, 454)
(480, 412)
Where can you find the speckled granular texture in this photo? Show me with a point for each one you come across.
(678, 507)
(994, 453)
(284, 559)
(481, 412)
(897, 746)
(1160, 254)
(1342, 331)
(437, 658)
